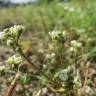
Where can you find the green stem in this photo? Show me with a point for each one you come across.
(19, 50)
(61, 54)
(75, 63)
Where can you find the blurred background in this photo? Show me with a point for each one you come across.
(42, 16)
(45, 15)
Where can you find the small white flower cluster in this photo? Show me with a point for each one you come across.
(11, 34)
(69, 8)
(15, 59)
(16, 30)
(50, 56)
(58, 36)
(75, 45)
(63, 75)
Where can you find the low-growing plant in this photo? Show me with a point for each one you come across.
(11, 37)
(62, 71)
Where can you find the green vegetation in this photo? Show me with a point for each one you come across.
(56, 55)
(41, 17)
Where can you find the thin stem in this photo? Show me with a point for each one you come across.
(76, 64)
(13, 84)
(86, 77)
(19, 50)
(61, 53)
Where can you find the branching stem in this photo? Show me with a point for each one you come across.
(19, 50)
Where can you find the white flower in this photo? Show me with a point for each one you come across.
(2, 67)
(71, 9)
(76, 44)
(16, 30)
(58, 36)
(72, 49)
(50, 56)
(14, 60)
(54, 34)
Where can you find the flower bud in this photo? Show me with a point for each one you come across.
(10, 60)
(76, 44)
(16, 30)
(10, 42)
(14, 60)
(58, 36)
